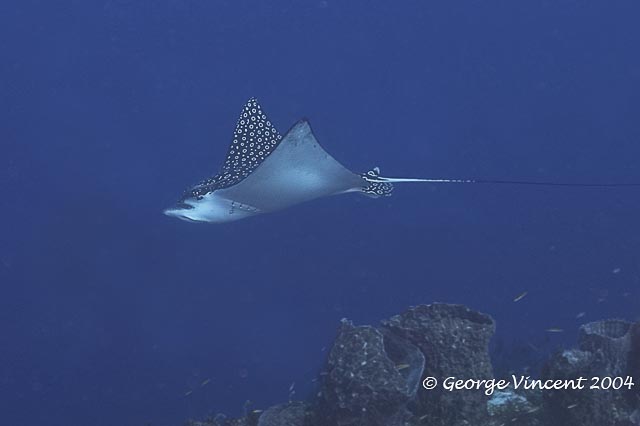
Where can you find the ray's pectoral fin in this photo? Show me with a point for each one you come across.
(374, 187)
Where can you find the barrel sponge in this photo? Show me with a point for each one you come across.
(610, 341)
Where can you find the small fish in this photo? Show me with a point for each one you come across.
(521, 296)
(188, 393)
(400, 367)
(569, 407)
(423, 417)
(533, 410)
(581, 315)
(206, 382)
(257, 411)
(293, 385)
(616, 270)
(555, 330)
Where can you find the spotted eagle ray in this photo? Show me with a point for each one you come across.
(265, 172)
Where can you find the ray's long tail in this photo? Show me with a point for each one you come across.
(380, 186)
(383, 179)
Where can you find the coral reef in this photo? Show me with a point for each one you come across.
(293, 414)
(604, 352)
(509, 407)
(634, 364)
(371, 377)
(455, 342)
(610, 343)
(374, 376)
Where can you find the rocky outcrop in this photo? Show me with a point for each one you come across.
(291, 414)
(371, 377)
(634, 364)
(455, 342)
(605, 349)
(509, 407)
(610, 343)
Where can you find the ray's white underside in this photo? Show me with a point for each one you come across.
(298, 170)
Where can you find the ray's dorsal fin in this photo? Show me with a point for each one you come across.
(254, 139)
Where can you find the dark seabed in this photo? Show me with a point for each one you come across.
(113, 314)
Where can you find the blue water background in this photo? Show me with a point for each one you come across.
(111, 312)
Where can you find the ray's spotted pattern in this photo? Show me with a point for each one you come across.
(375, 188)
(253, 140)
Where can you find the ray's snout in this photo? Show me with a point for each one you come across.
(180, 210)
(210, 208)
